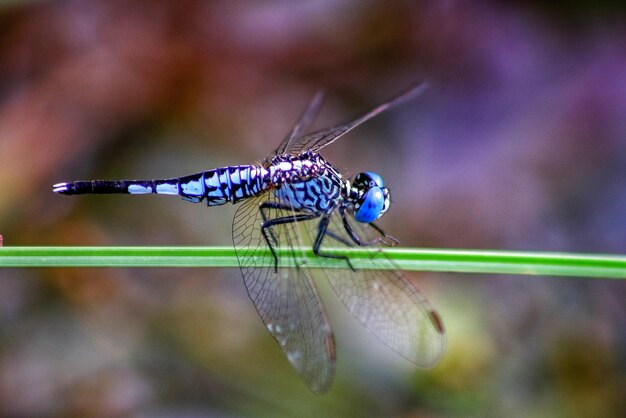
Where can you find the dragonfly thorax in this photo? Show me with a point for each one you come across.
(290, 168)
(307, 182)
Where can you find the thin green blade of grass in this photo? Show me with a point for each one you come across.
(442, 260)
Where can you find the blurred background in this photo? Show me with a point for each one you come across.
(520, 143)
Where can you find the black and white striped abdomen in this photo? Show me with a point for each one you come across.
(216, 187)
(222, 185)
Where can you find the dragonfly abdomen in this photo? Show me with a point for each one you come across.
(224, 185)
(216, 187)
(106, 187)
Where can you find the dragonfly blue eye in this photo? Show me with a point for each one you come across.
(377, 179)
(370, 206)
(367, 180)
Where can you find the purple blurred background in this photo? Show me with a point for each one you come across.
(520, 143)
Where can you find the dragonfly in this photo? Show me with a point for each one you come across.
(296, 196)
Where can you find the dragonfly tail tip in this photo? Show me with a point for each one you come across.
(62, 188)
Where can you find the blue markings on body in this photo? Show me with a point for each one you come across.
(234, 177)
(213, 188)
(137, 189)
(225, 179)
(167, 188)
(193, 187)
(212, 181)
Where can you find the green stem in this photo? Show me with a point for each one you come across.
(459, 261)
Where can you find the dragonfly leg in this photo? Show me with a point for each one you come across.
(276, 206)
(323, 231)
(390, 240)
(262, 208)
(340, 239)
(268, 224)
(385, 239)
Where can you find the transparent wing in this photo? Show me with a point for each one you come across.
(318, 140)
(304, 121)
(384, 301)
(286, 299)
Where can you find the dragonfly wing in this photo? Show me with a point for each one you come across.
(286, 298)
(318, 140)
(384, 301)
(304, 121)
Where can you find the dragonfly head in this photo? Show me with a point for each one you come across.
(370, 197)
